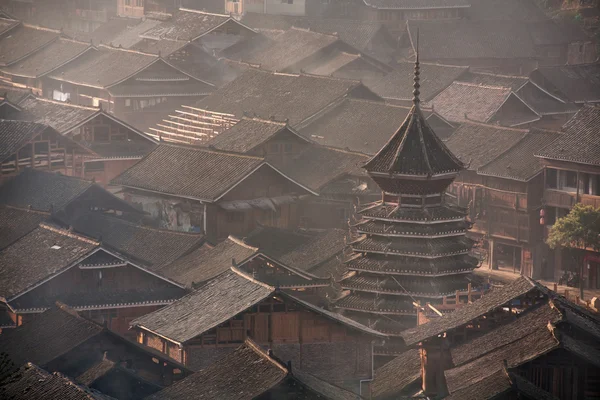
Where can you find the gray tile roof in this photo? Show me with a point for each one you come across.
(268, 94)
(487, 79)
(416, 4)
(465, 39)
(154, 247)
(576, 83)
(103, 67)
(519, 162)
(215, 302)
(580, 142)
(318, 166)
(487, 303)
(130, 36)
(323, 388)
(32, 382)
(244, 374)
(54, 55)
(6, 24)
(17, 222)
(23, 41)
(511, 10)
(187, 25)
(51, 334)
(14, 134)
(478, 144)
(197, 173)
(247, 134)
(395, 376)
(59, 115)
(543, 103)
(398, 85)
(207, 262)
(34, 257)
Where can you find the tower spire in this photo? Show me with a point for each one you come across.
(416, 85)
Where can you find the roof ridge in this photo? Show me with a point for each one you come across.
(68, 39)
(68, 233)
(210, 150)
(240, 242)
(258, 350)
(61, 103)
(261, 119)
(40, 28)
(203, 12)
(251, 279)
(500, 75)
(297, 28)
(352, 99)
(107, 46)
(30, 210)
(506, 128)
(481, 86)
(150, 228)
(337, 149)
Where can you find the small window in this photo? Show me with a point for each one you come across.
(127, 102)
(570, 179)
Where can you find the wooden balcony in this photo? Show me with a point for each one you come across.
(509, 231)
(590, 200)
(509, 200)
(558, 198)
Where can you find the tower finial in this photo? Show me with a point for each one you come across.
(416, 85)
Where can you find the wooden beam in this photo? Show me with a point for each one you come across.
(208, 111)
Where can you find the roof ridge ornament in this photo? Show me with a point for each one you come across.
(417, 85)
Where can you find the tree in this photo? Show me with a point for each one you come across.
(580, 229)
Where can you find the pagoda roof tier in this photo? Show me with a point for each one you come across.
(397, 185)
(414, 151)
(408, 230)
(411, 266)
(428, 215)
(375, 305)
(413, 247)
(426, 288)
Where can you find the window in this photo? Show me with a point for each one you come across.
(568, 179)
(94, 166)
(127, 102)
(551, 177)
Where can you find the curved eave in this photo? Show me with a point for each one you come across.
(444, 175)
(412, 236)
(378, 311)
(395, 293)
(413, 255)
(412, 221)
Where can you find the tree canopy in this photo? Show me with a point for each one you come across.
(578, 229)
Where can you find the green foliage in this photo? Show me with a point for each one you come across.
(578, 229)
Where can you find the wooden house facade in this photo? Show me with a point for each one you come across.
(503, 189)
(571, 176)
(295, 330)
(230, 195)
(38, 146)
(410, 245)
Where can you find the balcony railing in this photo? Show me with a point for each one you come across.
(590, 200)
(558, 198)
(510, 200)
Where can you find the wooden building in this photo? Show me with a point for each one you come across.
(210, 191)
(333, 347)
(569, 83)
(51, 264)
(115, 145)
(522, 329)
(503, 189)
(31, 145)
(258, 375)
(61, 341)
(410, 245)
(572, 175)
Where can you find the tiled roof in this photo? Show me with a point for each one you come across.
(154, 247)
(13, 134)
(576, 83)
(244, 374)
(395, 376)
(358, 125)
(289, 48)
(414, 150)
(164, 47)
(184, 88)
(130, 36)
(268, 94)
(38, 255)
(322, 388)
(478, 144)
(486, 79)
(6, 24)
(331, 63)
(420, 248)
(59, 115)
(465, 101)
(416, 4)
(519, 162)
(122, 149)
(398, 85)
(49, 335)
(187, 25)
(392, 212)
(403, 229)
(524, 324)
(543, 103)
(197, 173)
(485, 304)
(356, 33)
(507, 10)
(248, 134)
(23, 41)
(317, 166)
(17, 222)
(526, 348)
(215, 302)
(48, 191)
(14, 94)
(55, 55)
(465, 39)
(106, 32)
(32, 382)
(414, 266)
(376, 304)
(207, 262)
(580, 142)
(427, 287)
(301, 250)
(103, 67)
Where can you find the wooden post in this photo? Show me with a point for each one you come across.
(32, 155)
(469, 292)
(555, 287)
